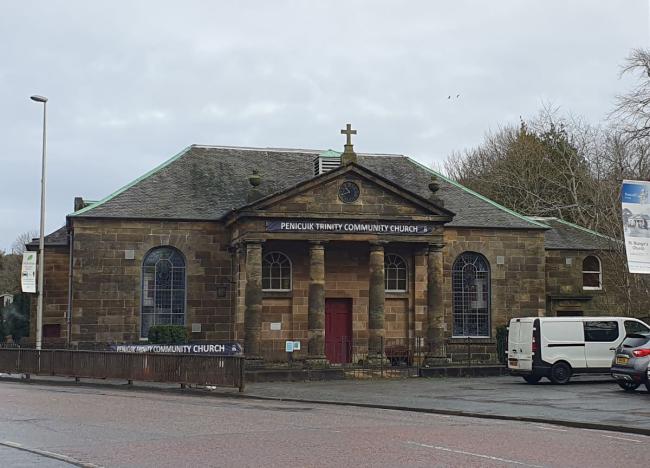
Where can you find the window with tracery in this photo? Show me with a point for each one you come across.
(163, 289)
(471, 295)
(395, 273)
(276, 272)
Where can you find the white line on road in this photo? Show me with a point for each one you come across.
(623, 438)
(45, 453)
(462, 452)
(551, 429)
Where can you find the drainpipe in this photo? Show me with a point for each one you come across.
(70, 266)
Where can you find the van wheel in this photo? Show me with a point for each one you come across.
(532, 379)
(627, 385)
(560, 373)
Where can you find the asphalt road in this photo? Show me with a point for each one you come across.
(112, 427)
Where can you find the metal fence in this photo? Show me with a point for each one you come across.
(222, 371)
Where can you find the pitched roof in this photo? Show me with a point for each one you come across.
(208, 182)
(564, 235)
(58, 237)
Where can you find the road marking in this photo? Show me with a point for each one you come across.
(551, 429)
(462, 452)
(623, 438)
(45, 453)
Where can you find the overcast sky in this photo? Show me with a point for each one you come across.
(132, 83)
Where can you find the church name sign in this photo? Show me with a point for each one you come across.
(350, 227)
(224, 349)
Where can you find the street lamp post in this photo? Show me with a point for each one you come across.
(41, 242)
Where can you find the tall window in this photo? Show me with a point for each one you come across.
(276, 272)
(163, 289)
(471, 291)
(592, 274)
(395, 273)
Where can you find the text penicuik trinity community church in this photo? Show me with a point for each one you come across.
(339, 251)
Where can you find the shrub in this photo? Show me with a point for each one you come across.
(168, 334)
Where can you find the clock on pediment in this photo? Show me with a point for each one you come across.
(348, 192)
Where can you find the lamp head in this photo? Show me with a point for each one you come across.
(38, 98)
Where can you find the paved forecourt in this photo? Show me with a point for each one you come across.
(585, 400)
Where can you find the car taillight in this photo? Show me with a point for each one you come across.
(641, 352)
(534, 345)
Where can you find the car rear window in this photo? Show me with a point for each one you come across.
(634, 341)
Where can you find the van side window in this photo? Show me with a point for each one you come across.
(605, 331)
(635, 327)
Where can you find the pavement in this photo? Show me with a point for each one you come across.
(588, 402)
(105, 426)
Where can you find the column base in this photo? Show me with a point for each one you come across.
(378, 360)
(436, 361)
(316, 362)
(252, 362)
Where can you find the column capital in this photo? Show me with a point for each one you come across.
(252, 242)
(377, 245)
(317, 243)
(435, 246)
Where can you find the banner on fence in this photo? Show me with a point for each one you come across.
(221, 349)
(636, 224)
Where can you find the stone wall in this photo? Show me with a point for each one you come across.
(565, 285)
(517, 270)
(346, 277)
(55, 299)
(107, 284)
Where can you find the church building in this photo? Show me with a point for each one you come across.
(344, 253)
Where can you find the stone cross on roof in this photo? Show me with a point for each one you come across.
(348, 156)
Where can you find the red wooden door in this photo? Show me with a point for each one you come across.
(338, 330)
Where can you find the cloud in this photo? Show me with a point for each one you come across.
(131, 83)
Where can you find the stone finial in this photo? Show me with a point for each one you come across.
(255, 179)
(254, 193)
(434, 185)
(348, 156)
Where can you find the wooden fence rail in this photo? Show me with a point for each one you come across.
(222, 371)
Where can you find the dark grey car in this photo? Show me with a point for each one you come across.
(630, 363)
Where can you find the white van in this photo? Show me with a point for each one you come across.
(558, 347)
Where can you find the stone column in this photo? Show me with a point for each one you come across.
(376, 299)
(253, 300)
(316, 308)
(435, 308)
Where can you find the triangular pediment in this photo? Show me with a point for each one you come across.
(350, 190)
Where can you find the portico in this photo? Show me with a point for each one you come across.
(307, 257)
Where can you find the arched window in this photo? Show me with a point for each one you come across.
(395, 273)
(276, 272)
(163, 289)
(471, 291)
(592, 273)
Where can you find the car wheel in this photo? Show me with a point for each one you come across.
(532, 379)
(627, 385)
(560, 373)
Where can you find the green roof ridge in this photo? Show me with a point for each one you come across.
(582, 228)
(476, 194)
(132, 183)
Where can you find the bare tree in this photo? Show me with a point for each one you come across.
(632, 110)
(19, 245)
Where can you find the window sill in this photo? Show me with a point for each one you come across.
(472, 339)
(272, 294)
(397, 294)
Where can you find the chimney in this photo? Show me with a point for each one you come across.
(78, 203)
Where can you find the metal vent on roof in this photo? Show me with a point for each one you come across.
(326, 161)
